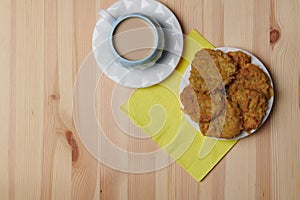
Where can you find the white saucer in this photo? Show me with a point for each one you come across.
(255, 61)
(139, 78)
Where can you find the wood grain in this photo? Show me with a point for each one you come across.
(42, 45)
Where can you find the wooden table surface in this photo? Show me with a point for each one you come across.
(43, 44)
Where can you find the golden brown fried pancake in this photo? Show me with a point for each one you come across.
(198, 83)
(226, 66)
(210, 105)
(252, 77)
(202, 107)
(240, 58)
(226, 125)
(211, 70)
(253, 105)
(191, 106)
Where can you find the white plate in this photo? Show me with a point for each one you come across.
(255, 61)
(138, 78)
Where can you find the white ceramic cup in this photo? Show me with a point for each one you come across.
(156, 52)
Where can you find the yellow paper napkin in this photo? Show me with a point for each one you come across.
(157, 111)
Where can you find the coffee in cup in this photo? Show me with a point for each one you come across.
(134, 38)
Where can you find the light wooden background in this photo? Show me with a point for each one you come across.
(43, 43)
